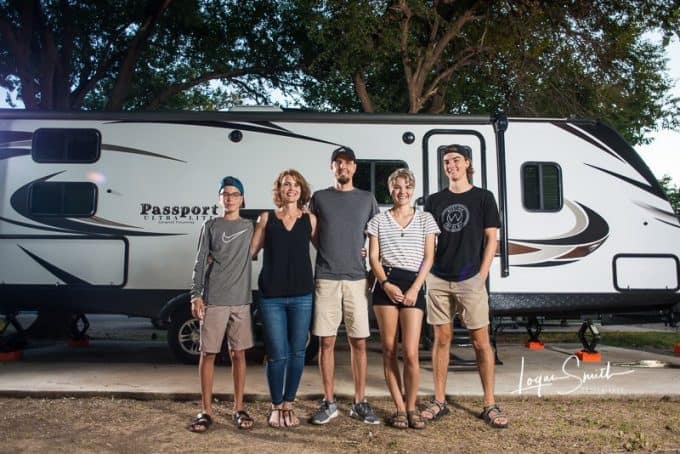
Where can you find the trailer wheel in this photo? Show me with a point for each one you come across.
(184, 336)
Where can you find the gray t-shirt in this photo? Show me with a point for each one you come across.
(226, 281)
(341, 222)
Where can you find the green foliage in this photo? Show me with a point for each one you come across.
(673, 193)
(157, 54)
(562, 58)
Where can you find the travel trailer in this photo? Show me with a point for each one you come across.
(101, 212)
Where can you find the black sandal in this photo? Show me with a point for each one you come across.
(491, 414)
(242, 420)
(201, 423)
(436, 409)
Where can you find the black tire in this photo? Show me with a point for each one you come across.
(184, 336)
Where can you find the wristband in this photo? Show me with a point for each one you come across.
(383, 282)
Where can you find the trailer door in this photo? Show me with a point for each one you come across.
(434, 177)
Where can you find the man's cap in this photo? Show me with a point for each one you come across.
(455, 148)
(345, 151)
(232, 181)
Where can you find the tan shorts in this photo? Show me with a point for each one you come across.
(341, 300)
(235, 321)
(468, 298)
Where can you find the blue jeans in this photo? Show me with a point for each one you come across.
(286, 322)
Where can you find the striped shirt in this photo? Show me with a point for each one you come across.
(402, 247)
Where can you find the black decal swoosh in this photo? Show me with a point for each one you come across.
(19, 202)
(58, 272)
(38, 227)
(657, 191)
(137, 151)
(6, 153)
(567, 127)
(7, 137)
(666, 222)
(616, 142)
(241, 126)
(597, 229)
(546, 264)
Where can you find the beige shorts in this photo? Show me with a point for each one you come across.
(335, 301)
(468, 298)
(235, 321)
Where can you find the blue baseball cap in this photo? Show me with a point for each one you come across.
(231, 181)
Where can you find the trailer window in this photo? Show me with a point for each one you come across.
(76, 146)
(371, 175)
(541, 186)
(65, 199)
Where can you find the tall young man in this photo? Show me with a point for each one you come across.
(341, 292)
(220, 299)
(468, 218)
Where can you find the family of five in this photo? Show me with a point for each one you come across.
(431, 263)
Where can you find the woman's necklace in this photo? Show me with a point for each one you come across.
(403, 221)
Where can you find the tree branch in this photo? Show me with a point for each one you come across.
(174, 89)
(123, 82)
(362, 91)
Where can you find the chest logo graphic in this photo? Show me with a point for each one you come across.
(229, 238)
(455, 217)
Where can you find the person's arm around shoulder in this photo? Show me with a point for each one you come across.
(258, 235)
(312, 209)
(312, 222)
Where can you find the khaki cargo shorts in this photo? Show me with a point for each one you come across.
(234, 321)
(468, 298)
(336, 301)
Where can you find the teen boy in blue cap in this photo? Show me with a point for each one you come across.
(220, 299)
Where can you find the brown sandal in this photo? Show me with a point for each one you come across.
(289, 418)
(436, 409)
(415, 420)
(492, 414)
(398, 420)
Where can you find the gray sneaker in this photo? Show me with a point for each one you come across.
(364, 412)
(326, 412)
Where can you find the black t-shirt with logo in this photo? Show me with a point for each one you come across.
(462, 219)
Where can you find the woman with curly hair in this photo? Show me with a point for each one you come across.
(286, 284)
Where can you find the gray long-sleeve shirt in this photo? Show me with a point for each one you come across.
(226, 281)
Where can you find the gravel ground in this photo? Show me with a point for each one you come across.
(77, 425)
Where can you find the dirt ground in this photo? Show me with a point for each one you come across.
(78, 425)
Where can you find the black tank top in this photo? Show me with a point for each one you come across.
(286, 268)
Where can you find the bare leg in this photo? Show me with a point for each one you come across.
(357, 349)
(486, 364)
(206, 374)
(411, 322)
(327, 365)
(441, 352)
(238, 372)
(388, 318)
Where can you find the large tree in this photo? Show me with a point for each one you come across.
(526, 57)
(133, 54)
